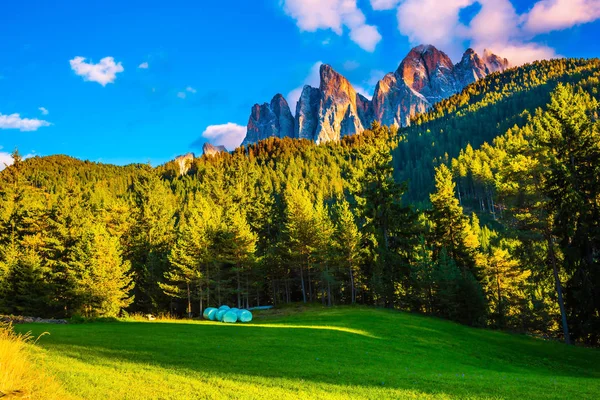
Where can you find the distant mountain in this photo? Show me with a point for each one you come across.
(211, 150)
(184, 162)
(335, 109)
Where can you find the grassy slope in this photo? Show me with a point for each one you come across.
(321, 353)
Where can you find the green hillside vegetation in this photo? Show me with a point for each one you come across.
(318, 353)
(384, 218)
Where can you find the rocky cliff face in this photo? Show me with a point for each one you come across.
(184, 163)
(331, 111)
(338, 113)
(335, 109)
(211, 150)
(425, 77)
(270, 119)
(307, 113)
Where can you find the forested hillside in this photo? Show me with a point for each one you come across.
(384, 218)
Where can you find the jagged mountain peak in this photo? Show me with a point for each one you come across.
(425, 76)
(270, 119)
(495, 63)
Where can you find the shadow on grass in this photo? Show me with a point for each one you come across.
(394, 356)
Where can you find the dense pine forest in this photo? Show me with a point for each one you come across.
(485, 211)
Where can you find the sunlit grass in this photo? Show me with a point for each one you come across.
(335, 353)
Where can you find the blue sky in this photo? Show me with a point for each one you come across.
(208, 62)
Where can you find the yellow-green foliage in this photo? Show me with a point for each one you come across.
(20, 373)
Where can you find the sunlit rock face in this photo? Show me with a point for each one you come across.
(211, 150)
(334, 109)
(184, 163)
(338, 113)
(426, 76)
(270, 119)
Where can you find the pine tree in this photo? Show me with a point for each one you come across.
(102, 276)
(347, 244)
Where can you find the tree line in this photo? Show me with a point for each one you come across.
(501, 240)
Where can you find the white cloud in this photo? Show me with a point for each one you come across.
(190, 89)
(550, 15)
(366, 36)
(384, 4)
(313, 79)
(363, 91)
(312, 15)
(229, 135)
(496, 26)
(103, 72)
(44, 111)
(143, 65)
(181, 95)
(14, 121)
(432, 22)
(7, 160)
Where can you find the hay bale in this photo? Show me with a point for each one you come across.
(245, 316)
(230, 317)
(210, 313)
(220, 314)
(224, 307)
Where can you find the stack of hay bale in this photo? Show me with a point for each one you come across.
(226, 314)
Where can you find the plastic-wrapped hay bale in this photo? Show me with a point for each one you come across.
(245, 316)
(224, 307)
(235, 310)
(230, 317)
(220, 314)
(210, 313)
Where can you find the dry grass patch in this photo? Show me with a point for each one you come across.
(20, 373)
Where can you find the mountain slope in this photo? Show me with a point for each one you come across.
(481, 112)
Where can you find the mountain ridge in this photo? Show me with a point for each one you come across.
(335, 109)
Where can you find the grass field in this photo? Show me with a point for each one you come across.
(338, 353)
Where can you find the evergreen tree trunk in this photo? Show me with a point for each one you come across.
(310, 292)
(302, 283)
(352, 289)
(561, 304)
(201, 298)
(189, 307)
(207, 288)
(239, 289)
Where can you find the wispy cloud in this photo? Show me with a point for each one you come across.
(551, 15)
(181, 95)
(14, 121)
(103, 72)
(312, 15)
(229, 135)
(44, 111)
(384, 4)
(143, 65)
(190, 89)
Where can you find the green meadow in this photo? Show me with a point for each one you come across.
(313, 353)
